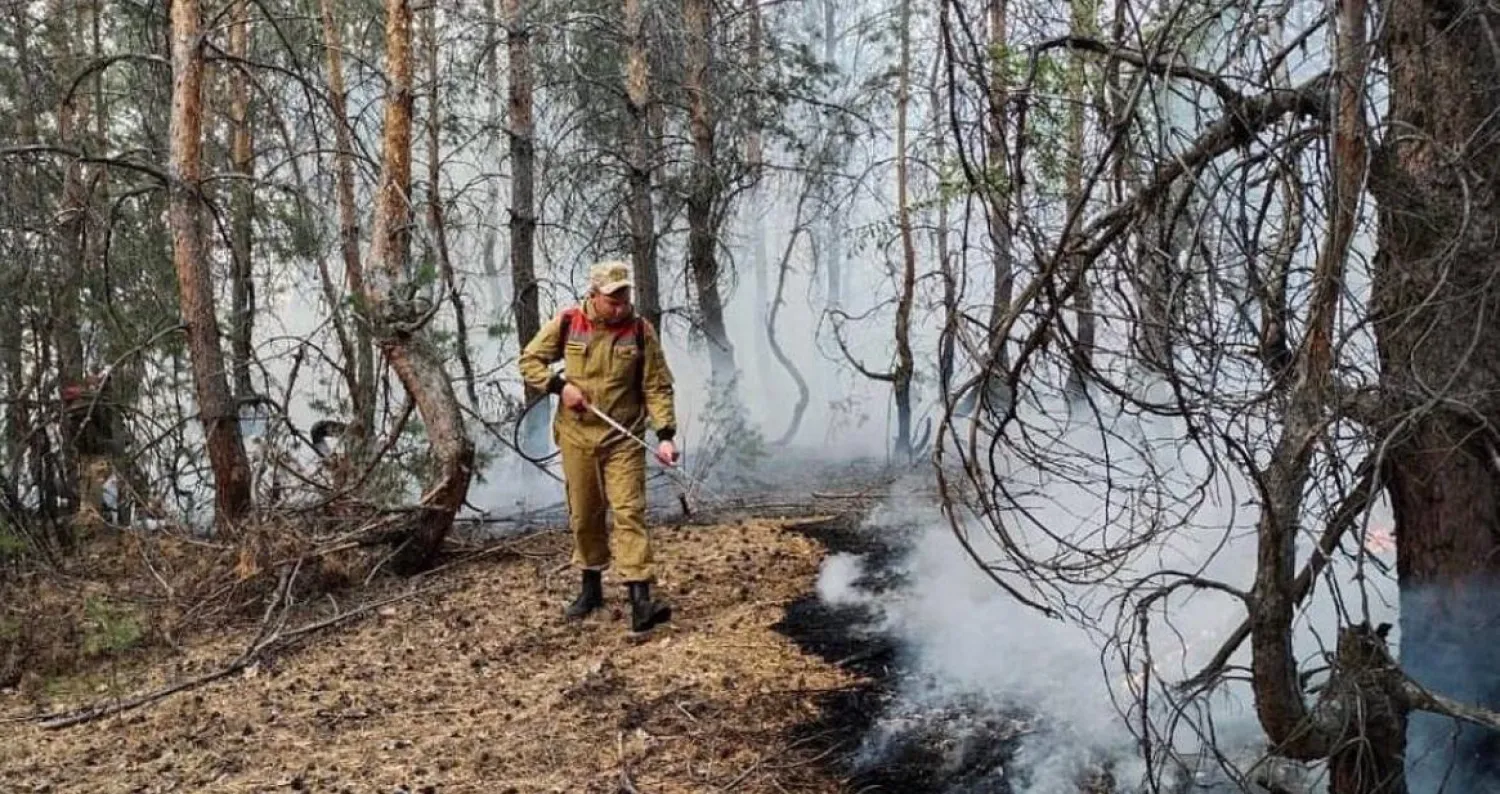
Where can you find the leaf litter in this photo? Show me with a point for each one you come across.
(480, 686)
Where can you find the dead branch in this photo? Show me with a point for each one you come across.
(1278, 700)
(1157, 66)
(798, 228)
(1342, 521)
(261, 648)
(1235, 128)
(82, 157)
(1419, 698)
(840, 317)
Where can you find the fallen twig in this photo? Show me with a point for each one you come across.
(266, 641)
(784, 749)
(504, 547)
(626, 787)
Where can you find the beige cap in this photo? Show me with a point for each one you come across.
(611, 277)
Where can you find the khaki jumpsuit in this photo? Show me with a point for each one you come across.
(88, 427)
(630, 382)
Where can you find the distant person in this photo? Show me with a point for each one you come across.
(612, 363)
(88, 426)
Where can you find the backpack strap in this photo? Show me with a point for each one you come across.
(566, 320)
(640, 354)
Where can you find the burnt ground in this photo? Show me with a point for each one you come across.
(927, 753)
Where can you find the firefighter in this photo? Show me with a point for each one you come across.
(88, 425)
(612, 362)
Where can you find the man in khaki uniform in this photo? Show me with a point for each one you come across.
(88, 425)
(612, 361)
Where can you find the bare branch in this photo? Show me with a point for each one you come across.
(1230, 97)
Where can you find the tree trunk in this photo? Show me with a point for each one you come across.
(803, 394)
(435, 217)
(1439, 345)
(15, 281)
(1358, 724)
(524, 298)
(640, 157)
(1084, 23)
(1279, 696)
(401, 339)
(756, 203)
(833, 247)
(242, 204)
(362, 386)
(703, 191)
(67, 288)
(997, 156)
(216, 408)
(947, 341)
(492, 119)
(1152, 280)
(902, 373)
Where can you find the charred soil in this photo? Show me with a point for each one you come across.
(961, 750)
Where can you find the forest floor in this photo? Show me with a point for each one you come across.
(471, 681)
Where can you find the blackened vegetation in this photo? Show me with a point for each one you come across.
(960, 749)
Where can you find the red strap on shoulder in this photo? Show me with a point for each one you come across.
(566, 317)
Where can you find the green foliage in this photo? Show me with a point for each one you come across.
(729, 440)
(288, 231)
(13, 544)
(108, 629)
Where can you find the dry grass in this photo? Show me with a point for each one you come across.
(482, 687)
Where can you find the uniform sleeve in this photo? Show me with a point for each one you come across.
(657, 382)
(539, 355)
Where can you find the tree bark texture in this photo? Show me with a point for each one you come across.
(524, 297)
(362, 385)
(998, 203)
(1437, 187)
(436, 218)
(241, 204)
(216, 407)
(640, 161)
(1084, 23)
(901, 375)
(402, 340)
(704, 189)
(756, 203)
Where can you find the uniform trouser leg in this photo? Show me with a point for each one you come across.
(624, 468)
(584, 479)
(93, 473)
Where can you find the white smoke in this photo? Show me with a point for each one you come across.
(972, 646)
(837, 577)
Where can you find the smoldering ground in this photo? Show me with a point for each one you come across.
(975, 692)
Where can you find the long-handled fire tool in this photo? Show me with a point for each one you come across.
(678, 475)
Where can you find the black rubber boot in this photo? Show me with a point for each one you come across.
(646, 614)
(590, 596)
